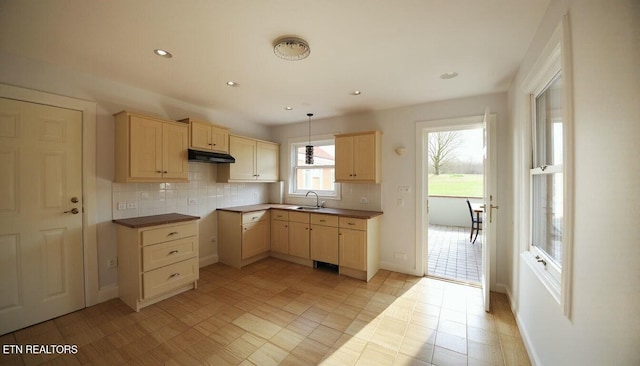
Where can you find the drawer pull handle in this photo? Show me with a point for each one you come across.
(323, 220)
(350, 223)
(172, 233)
(175, 251)
(174, 275)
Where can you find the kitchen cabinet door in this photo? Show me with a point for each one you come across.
(353, 249)
(344, 158)
(208, 137)
(359, 157)
(324, 244)
(244, 151)
(255, 238)
(175, 143)
(149, 149)
(267, 161)
(299, 239)
(364, 157)
(280, 236)
(145, 143)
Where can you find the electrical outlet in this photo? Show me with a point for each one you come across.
(191, 201)
(122, 205)
(364, 200)
(131, 205)
(112, 262)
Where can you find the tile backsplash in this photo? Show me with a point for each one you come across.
(201, 196)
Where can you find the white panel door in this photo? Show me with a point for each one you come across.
(41, 251)
(490, 203)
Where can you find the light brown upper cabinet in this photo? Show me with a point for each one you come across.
(206, 136)
(149, 149)
(256, 161)
(359, 157)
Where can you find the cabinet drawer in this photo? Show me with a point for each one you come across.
(324, 220)
(256, 216)
(168, 278)
(300, 217)
(280, 215)
(351, 223)
(158, 255)
(167, 233)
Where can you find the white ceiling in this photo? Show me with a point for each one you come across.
(393, 51)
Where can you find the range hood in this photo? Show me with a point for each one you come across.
(210, 157)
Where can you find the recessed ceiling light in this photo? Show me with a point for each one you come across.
(448, 75)
(356, 92)
(162, 53)
(232, 83)
(288, 108)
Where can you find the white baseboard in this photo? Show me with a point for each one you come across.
(209, 260)
(533, 357)
(503, 289)
(107, 293)
(397, 268)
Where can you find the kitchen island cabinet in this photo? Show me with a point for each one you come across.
(157, 258)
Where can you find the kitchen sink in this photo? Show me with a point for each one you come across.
(307, 208)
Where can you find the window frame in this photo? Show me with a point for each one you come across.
(554, 59)
(293, 161)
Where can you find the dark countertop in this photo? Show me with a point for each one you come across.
(359, 214)
(144, 221)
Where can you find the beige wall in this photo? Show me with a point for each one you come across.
(399, 230)
(111, 97)
(604, 328)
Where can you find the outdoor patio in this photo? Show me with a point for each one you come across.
(452, 256)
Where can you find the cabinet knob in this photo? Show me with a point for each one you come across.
(159, 171)
(165, 172)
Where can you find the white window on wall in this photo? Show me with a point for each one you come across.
(550, 176)
(318, 177)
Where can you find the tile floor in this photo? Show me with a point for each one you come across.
(275, 312)
(451, 255)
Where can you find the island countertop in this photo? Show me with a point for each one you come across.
(154, 220)
(359, 214)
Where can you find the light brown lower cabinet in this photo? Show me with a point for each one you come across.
(324, 238)
(243, 238)
(359, 242)
(156, 262)
(301, 237)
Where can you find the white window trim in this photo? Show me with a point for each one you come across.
(554, 58)
(292, 162)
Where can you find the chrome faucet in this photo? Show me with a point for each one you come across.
(317, 198)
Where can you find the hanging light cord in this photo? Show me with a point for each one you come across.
(309, 115)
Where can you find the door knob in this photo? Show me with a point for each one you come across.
(491, 207)
(73, 211)
(74, 199)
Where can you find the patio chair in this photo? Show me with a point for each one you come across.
(476, 223)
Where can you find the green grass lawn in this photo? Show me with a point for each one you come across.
(459, 185)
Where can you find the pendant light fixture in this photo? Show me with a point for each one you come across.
(308, 156)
